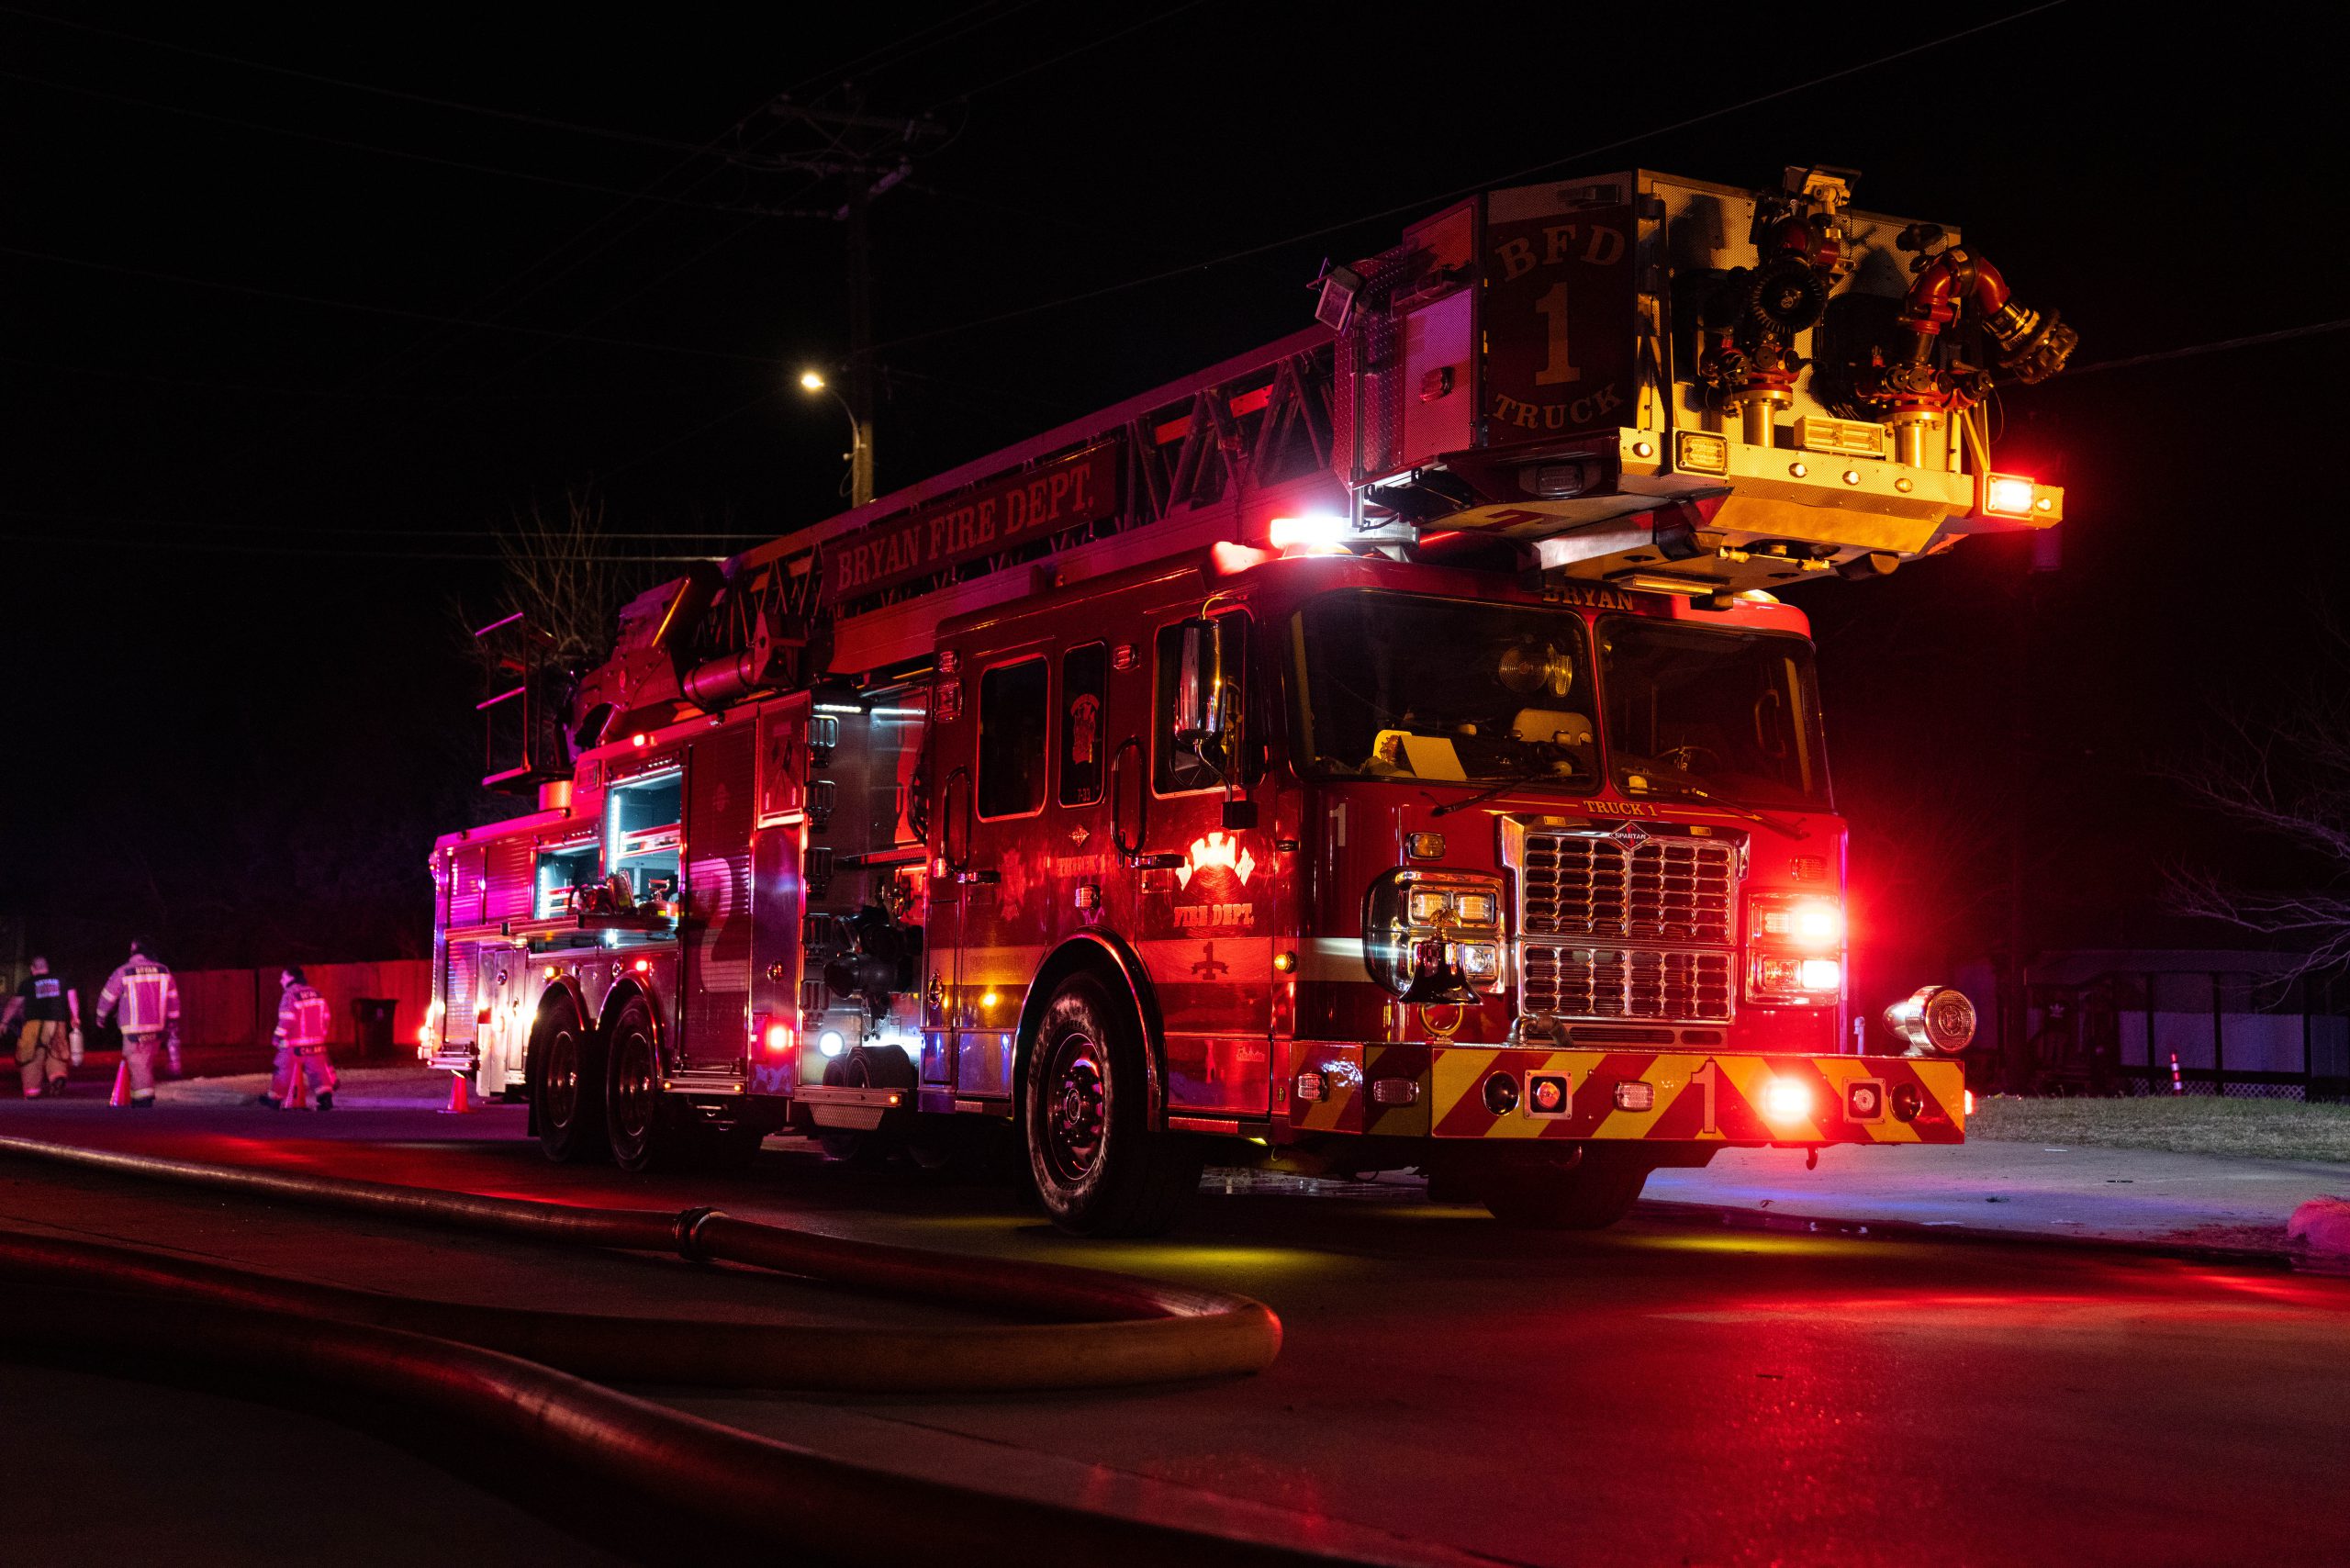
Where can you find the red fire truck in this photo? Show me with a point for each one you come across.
(1386, 750)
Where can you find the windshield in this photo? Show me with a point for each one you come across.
(1695, 711)
(1397, 685)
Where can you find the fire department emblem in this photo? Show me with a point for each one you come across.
(1213, 880)
(1216, 851)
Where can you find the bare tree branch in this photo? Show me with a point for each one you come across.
(2286, 776)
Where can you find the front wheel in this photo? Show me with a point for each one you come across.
(567, 1087)
(1099, 1168)
(1591, 1194)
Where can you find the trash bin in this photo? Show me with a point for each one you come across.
(373, 1024)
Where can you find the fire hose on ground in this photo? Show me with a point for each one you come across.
(522, 1373)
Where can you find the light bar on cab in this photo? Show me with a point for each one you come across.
(1315, 534)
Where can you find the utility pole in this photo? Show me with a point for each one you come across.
(860, 343)
(863, 155)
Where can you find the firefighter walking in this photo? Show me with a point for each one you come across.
(49, 1040)
(301, 1040)
(144, 1000)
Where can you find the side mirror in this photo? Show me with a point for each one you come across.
(1200, 688)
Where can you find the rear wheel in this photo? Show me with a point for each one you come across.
(868, 1067)
(1099, 1166)
(1591, 1194)
(567, 1087)
(646, 1131)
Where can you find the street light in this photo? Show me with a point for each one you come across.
(860, 436)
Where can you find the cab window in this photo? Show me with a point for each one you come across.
(1014, 716)
(1176, 770)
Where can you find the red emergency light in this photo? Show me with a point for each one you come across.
(2012, 495)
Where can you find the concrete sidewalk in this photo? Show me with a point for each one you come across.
(2114, 1194)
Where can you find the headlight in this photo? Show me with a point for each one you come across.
(1791, 978)
(1794, 945)
(1794, 919)
(1434, 935)
(1935, 1019)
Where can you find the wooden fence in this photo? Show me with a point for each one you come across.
(239, 1007)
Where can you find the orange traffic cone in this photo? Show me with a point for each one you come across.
(121, 1095)
(458, 1104)
(297, 1092)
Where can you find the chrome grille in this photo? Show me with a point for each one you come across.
(1615, 982)
(1636, 930)
(1657, 890)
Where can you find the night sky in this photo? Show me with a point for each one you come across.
(299, 309)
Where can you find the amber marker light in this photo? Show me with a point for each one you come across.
(1285, 963)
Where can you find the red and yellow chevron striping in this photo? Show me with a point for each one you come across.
(1686, 1097)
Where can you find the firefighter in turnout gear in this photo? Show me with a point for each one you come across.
(143, 998)
(50, 1038)
(301, 1039)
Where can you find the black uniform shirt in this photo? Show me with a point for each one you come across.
(44, 997)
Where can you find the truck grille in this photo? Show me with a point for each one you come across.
(1643, 930)
(1659, 890)
(1613, 982)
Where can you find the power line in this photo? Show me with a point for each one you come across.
(268, 389)
(2256, 341)
(380, 150)
(1425, 203)
(516, 115)
(329, 553)
(398, 313)
(1032, 68)
(486, 535)
(766, 395)
(870, 62)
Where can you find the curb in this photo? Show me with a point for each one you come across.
(1672, 1212)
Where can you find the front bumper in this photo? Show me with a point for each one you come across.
(1723, 1098)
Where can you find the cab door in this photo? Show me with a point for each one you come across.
(1206, 865)
(1001, 880)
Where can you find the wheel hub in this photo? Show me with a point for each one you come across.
(563, 1076)
(1076, 1108)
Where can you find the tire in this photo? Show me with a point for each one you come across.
(866, 1068)
(1099, 1167)
(1590, 1195)
(567, 1088)
(645, 1131)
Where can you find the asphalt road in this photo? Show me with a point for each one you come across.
(1659, 1393)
